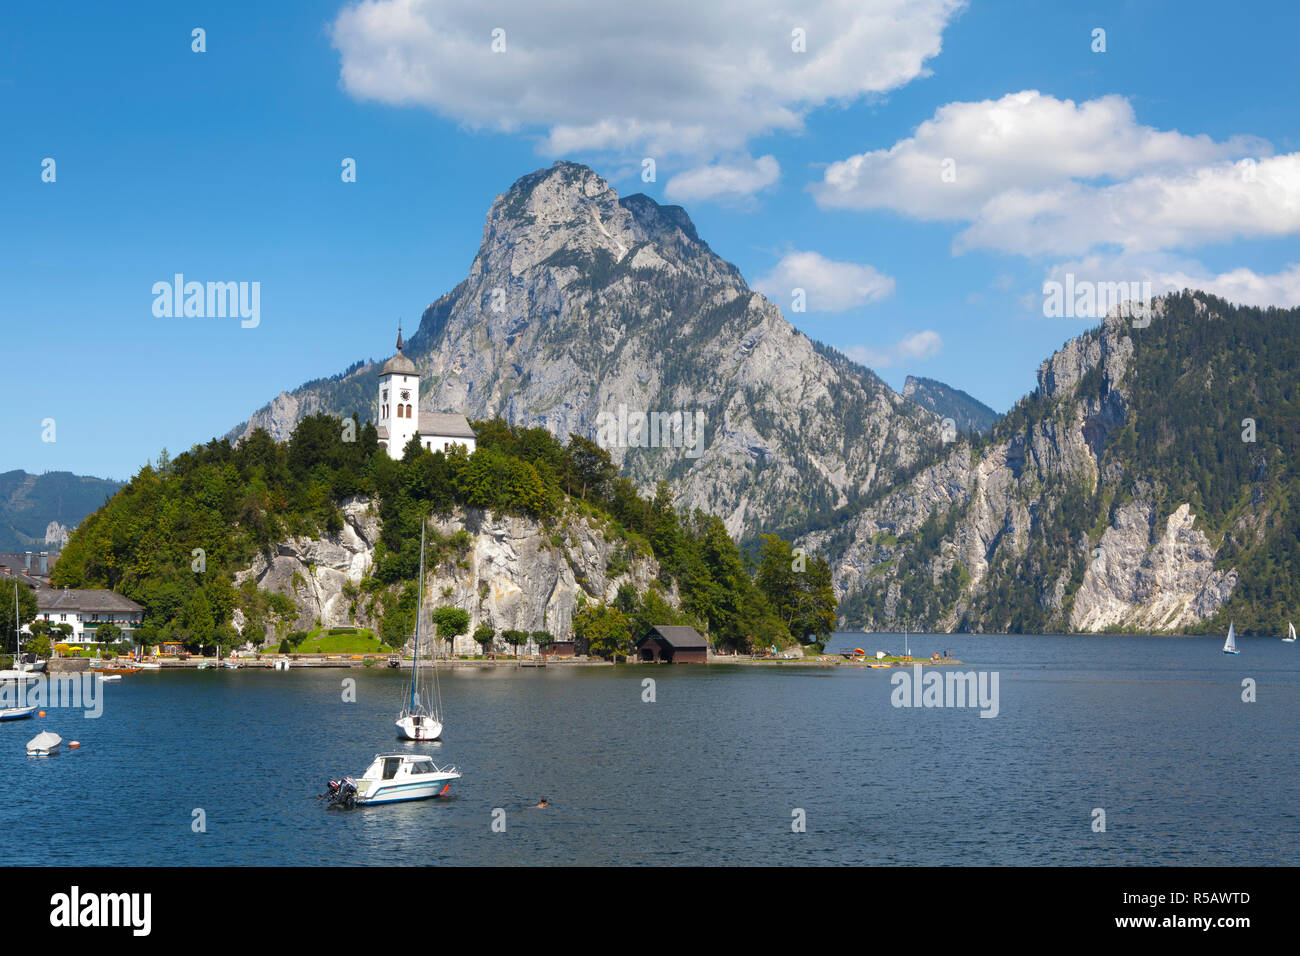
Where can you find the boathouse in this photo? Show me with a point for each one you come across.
(673, 644)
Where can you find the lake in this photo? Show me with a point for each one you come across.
(1151, 730)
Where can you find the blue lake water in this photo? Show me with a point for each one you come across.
(1152, 730)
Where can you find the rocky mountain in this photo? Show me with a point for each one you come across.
(967, 412)
(36, 511)
(507, 571)
(1150, 482)
(591, 314)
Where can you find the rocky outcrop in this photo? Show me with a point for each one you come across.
(581, 307)
(507, 571)
(1160, 585)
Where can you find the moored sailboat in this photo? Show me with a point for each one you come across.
(1290, 637)
(19, 675)
(416, 721)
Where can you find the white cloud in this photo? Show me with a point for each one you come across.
(914, 347)
(829, 286)
(1035, 175)
(673, 77)
(735, 179)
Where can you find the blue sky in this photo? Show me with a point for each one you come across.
(225, 166)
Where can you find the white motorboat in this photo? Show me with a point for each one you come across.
(44, 744)
(110, 676)
(281, 665)
(416, 721)
(394, 778)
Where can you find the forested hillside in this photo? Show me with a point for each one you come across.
(175, 535)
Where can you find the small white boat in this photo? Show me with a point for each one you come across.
(20, 676)
(16, 713)
(148, 665)
(43, 744)
(110, 676)
(281, 665)
(394, 778)
(1230, 645)
(1290, 638)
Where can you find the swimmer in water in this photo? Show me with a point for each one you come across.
(542, 804)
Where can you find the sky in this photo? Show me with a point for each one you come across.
(919, 169)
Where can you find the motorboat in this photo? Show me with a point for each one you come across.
(281, 665)
(106, 676)
(118, 669)
(44, 744)
(393, 778)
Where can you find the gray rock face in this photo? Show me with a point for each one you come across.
(511, 575)
(1159, 585)
(580, 306)
(1156, 571)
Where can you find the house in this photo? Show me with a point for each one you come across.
(671, 644)
(559, 648)
(85, 610)
(399, 412)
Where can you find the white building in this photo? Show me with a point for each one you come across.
(399, 412)
(84, 611)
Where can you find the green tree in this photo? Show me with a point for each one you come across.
(484, 635)
(603, 630)
(9, 626)
(515, 639)
(451, 622)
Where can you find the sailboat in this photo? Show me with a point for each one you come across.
(415, 722)
(1290, 638)
(1230, 645)
(19, 675)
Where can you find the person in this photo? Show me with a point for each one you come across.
(542, 804)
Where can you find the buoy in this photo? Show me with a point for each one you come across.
(40, 713)
(74, 745)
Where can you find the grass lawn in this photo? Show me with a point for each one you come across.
(321, 641)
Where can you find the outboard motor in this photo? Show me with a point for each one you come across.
(341, 793)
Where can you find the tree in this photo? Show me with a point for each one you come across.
(603, 629)
(39, 645)
(107, 633)
(452, 622)
(515, 638)
(484, 635)
(542, 638)
(26, 613)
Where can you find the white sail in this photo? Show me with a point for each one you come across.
(415, 722)
(1230, 645)
(1290, 637)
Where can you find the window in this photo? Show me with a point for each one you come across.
(399, 412)
(408, 411)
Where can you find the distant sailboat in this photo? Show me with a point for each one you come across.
(1230, 645)
(1290, 638)
(20, 675)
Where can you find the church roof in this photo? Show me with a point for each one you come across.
(445, 425)
(399, 364)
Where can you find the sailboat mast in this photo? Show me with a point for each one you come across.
(419, 603)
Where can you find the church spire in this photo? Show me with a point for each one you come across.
(399, 336)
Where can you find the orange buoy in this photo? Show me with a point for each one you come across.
(40, 713)
(74, 745)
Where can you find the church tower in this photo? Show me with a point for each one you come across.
(399, 401)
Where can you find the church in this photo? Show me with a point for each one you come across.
(399, 412)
